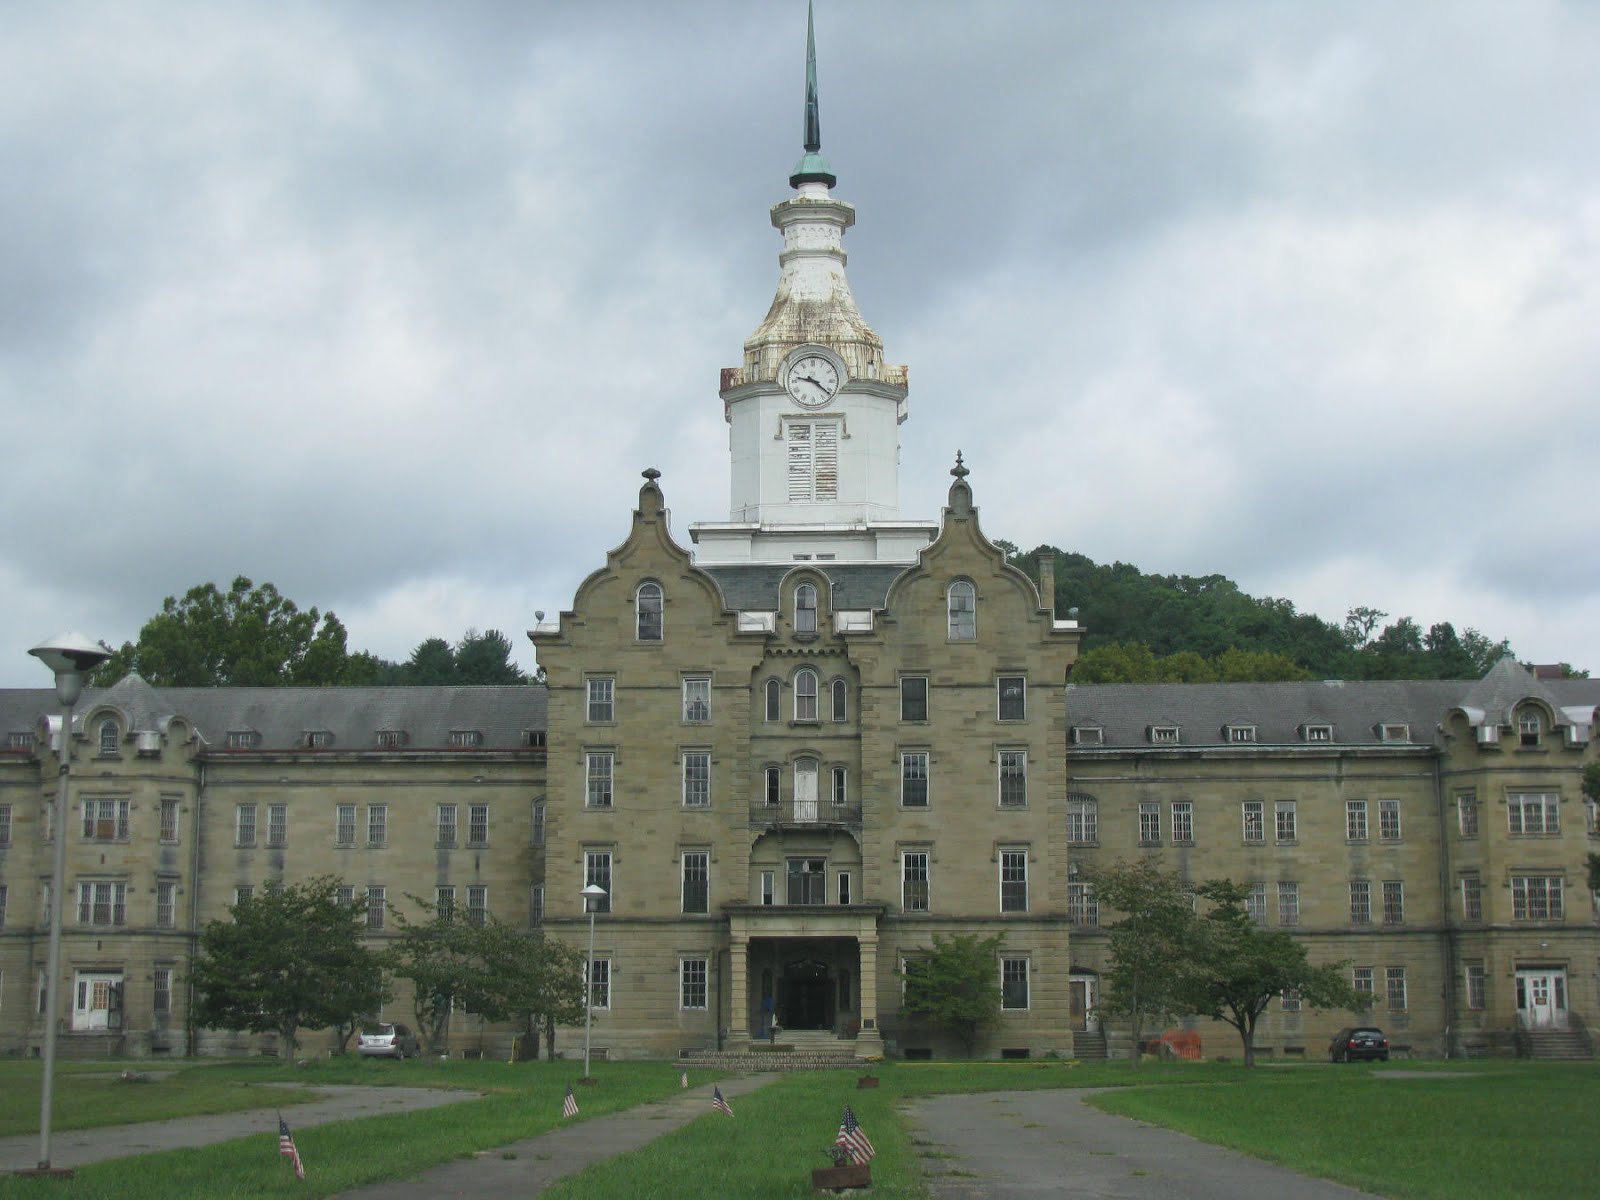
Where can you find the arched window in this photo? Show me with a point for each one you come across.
(1529, 727)
(108, 737)
(805, 609)
(648, 604)
(963, 603)
(774, 704)
(841, 786)
(772, 781)
(841, 700)
(805, 694)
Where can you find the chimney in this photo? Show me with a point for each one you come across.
(1047, 581)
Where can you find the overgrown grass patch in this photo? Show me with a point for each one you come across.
(1489, 1131)
(525, 1100)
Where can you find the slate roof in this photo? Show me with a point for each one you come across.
(282, 716)
(753, 587)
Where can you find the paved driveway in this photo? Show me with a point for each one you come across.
(1024, 1145)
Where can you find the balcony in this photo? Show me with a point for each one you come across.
(805, 815)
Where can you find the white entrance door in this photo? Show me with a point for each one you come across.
(1542, 998)
(97, 1000)
(1083, 991)
(805, 789)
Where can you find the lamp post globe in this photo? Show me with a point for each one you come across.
(70, 656)
(592, 894)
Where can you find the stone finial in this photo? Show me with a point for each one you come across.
(959, 470)
(651, 474)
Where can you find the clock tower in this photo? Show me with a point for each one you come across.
(813, 411)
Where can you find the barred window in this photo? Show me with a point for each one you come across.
(107, 820)
(244, 825)
(1183, 822)
(377, 824)
(169, 819)
(1288, 902)
(1394, 979)
(277, 825)
(376, 903)
(344, 826)
(477, 904)
(1467, 814)
(1083, 820)
(166, 904)
(1394, 902)
(1536, 898)
(447, 825)
(1355, 820)
(161, 991)
(1534, 812)
(444, 902)
(1149, 824)
(478, 824)
(1360, 902)
(102, 903)
(1471, 897)
(1288, 826)
(1361, 979)
(1389, 820)
(1255, 820)
(1255, 902)
(1083, 908)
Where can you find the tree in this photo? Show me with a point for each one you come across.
(288, 958)
(530, 980)
(956, 986)
(438, 955)
(1150, 946)
(246, 636)
(1236, 968)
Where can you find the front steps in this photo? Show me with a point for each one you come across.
(795, 1050)
(1563, 1045)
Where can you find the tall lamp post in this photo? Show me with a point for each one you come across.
(592, 895)
(70, 656)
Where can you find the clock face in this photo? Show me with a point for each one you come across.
(812, 380)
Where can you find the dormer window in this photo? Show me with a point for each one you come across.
(1088, 735)
(963, 611)
(805, 609)
(1237, 734)
(1394, 733)
(108, 737)
(391, 739)
(318, 739)
(1163, 735)
(1529, 727)
(464, 739)
(243, 739)
(533, 739)
(1317, 733)
(648, 609)
(21, 739)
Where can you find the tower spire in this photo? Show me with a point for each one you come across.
(812, 167)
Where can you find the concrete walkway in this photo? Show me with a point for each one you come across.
(1025, 1145)
(527, 1167)
(78, 1147)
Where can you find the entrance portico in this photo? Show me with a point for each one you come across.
(805, 967)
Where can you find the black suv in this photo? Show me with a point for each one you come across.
(1350, 1045)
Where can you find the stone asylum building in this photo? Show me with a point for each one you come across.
(795, 749)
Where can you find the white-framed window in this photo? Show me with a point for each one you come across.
(1288, 902)
(318, 739)
(914, 778)
(808, 880)
(840, 789)
(1083, 820)
(1164, 735)
(1240, 733)
(1014, 880)
(697, 700)
(600, 983)
(805, 609)
(377, 904)
(1534, 812)
(1389, 820)
(465, 739)
(1394, 733)
(1394, 981)
(107, 820)
(914, 891)
(446, 835)
(1471, 897)
(1477, 986)
(1083, 907)
(345, 894)
(769, 888)
(914, 698)
(813, 460)
(1467, 814)
(1011, 697)
(244, 892)
(1289, 1000)
(1014, 984)
(1183, 822)
(839, 709)
(243, 739)
(1255, 902)
(169, 819)
(477, 824)
(1013, 778)
(774, 706)
(44, 902)
(1361, 979)
(1394, 902)
(377, 824)
(691, 983)
(166, 904)
(1536, 898)
(392, 739)
(1088, 735)
(1254, 812)
(244, 825)
(805, 694)
(962, 600)
(161, 991)
(697, 779)
(344, 825)
(102, 902)
(601, 703)
(598, 772)
(597, 871)
(1529, 727)
(647, 612)
(536, 819)
(109, 737)
(1361, 902)
(1288, 825)
(277, 825)
(477, 904)
(1149, 823)
(696, 881)
(1317, 733)
(1355, 820)
(444, 901)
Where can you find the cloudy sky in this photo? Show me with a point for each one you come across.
(390, 303)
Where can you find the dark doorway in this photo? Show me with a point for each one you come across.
(805, 998)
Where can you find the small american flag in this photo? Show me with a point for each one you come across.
(854, 1138)
(718, 1102)
(287, 1149)
(569, 1106)
(683, 1080)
